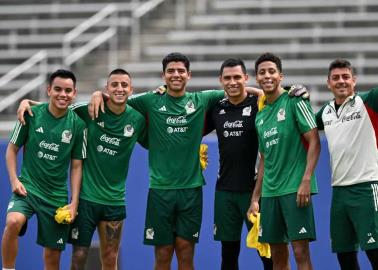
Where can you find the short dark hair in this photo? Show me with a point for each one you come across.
(176, 57)
(119, 71)
(233, 62)
(268, 57)
(62, 73)
(340, 63)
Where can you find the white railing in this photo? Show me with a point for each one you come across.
(71, 55)
(40, 60)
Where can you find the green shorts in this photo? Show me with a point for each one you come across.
(172, 213)
(230, 211)
(282, 221)
(354, 217)
(50, 233)
(89, 216)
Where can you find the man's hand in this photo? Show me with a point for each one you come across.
(254, 208)
(22, 108)
(18, 188)
(304, 193)
(298, 90)
(96, 104)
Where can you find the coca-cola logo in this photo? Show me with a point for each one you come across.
(110, 140)
(49, 146)
(235, 124)
(350, 117)
(176, 120)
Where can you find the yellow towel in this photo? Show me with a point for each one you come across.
(203, 156)
(253, 235)
(261, 102)
(63, 215)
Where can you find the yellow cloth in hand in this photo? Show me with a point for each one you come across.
(261, 102)
(62, 215)
(203, 156)
(253, 237)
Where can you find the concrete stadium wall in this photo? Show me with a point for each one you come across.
(135, 256)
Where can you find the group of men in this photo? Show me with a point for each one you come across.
(97, 139)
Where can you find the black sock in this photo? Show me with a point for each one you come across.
(230, 255)
(348, 260)
(372, 255)
(267, 262)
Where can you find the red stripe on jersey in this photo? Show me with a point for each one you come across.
(373, 115)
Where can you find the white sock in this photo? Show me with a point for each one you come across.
(9, 269)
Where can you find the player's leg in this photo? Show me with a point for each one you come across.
(51, 258)
(372, 255)
(187, 225)
(274, 231)
(300, 229)
(348, 260)
(19, 210)
(159, 230)
(110, 233)
(244, 200)
(81, 232)
(228, 223)
(9, 243)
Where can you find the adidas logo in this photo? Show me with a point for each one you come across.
(303, 230)
(60, 241)
(101, 124)
(222, 112)
(163, 109)
(371, 240)
(195, 235)
(40, 130)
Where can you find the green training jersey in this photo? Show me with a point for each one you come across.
(279, 127)
(175, 129)
(111, 139)
(49, 145)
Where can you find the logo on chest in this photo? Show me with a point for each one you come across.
(189, 107)
(281, 115)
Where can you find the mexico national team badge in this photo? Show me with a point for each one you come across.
(247, 111)
(128, 131)
(189, 107)
(281, 115)
(66, 136)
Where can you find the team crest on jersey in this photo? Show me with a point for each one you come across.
(281, 115)
(189, 107)
(128, 131)
(66, 136)
(247, 111)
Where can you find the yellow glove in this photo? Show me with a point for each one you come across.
(203, 156)
(253, 236)
(63, 215)
(261, 102)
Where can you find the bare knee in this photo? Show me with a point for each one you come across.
(280, 256)
(163, 256)
(301, 252)
(51, 258)
(109, 258)
(14, 223)
(185, 253)
(79, 257)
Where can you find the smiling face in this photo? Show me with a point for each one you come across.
(176, 77)
(269, 77)
(234, 80)
(119, 89)
(61, 92)
(341, 82)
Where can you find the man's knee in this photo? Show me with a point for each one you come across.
(14, 223)
(301, 251)
(79, 257)
(109, 258)
(184, 251)
(163, 254)
(51, 258)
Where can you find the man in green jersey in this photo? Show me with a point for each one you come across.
(285, 179)
(350, 122)
(111, 139)
(52, 139)
(175, 128)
